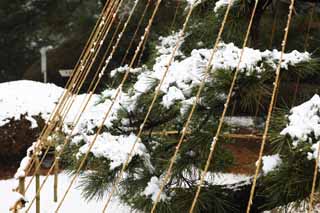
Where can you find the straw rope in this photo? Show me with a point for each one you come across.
(226, 105)
(125, 164)
(117, 93)
(52, 122)
(61, 120)
(52, 165)
(271, 106)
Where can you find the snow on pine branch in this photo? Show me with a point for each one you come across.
(153, 188)
(187, 73)
(115, 148)
(222, 3)
(304, 125)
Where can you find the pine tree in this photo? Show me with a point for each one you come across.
(289, 181)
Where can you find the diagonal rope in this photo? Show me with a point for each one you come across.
(276, 86)
(175, 14)
(184, 131)
(316, 165)
(50, 125)
(73, 121)
(117, 93)
(306, 42)
(136, 32)
(101, 38)
(274, 25)
(55, 161)
(61, 121)
(226, 105)
(142, 49)
(157, 92)
(306, 45)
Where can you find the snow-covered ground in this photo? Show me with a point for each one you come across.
(73, 203)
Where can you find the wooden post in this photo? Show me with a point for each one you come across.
(22, 187)
(55, 183)
(37, 185)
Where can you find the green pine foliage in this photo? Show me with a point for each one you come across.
(289, 182)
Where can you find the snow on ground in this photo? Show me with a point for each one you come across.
(73, 203)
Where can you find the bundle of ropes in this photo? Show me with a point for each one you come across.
(84, 67)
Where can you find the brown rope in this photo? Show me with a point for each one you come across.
(306, 42)
(221, 121)
(142, 49)
(316, 165)
(61, 120)
(50, 125)
(276, 86)
(126, 163)
(135, 33)
(274, 26)
(43, 158)
(105, 117)
(175, 14)
(184, 131)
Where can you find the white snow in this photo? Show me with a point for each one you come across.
(173, 94)
(39, 99)
(27, 97)
(153, 188)
(187, 73)
(239, 121)
(304, 120)
(270, 162)
(114, 148)
(24, 164)
(73, 203)
(222, 3)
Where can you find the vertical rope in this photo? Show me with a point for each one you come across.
(274, 26)
(306, 45)
(306, 42)
(276, 85)
(215, 138)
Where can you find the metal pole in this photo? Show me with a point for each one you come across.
(43, 52)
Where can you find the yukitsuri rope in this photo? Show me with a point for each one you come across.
(47, 173)
(316, 166)
(175, 14)
(226, 105)
(135, 33)
(47, 149)
(52, 122)
(271, 106)
(126, 163)
(117, 93)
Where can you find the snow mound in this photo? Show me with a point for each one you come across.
(27, 97)
(38, 99)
